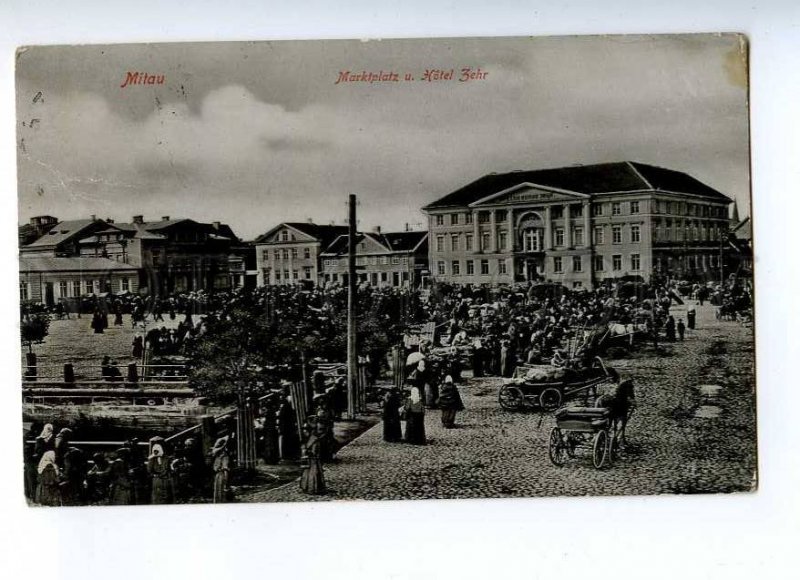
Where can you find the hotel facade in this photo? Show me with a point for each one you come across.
(579, 226)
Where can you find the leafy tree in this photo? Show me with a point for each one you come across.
(34, 327)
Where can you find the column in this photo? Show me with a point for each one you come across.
(567, 226)
(493, 234)
(548, 229)
(476, 234)
(291, 265)
(587, 224)
(511, 235)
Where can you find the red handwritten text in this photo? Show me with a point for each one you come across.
(141, 78)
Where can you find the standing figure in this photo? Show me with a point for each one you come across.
(477, 358)
(288, 439)
(270, 448)
(44, 442)
(138, 348)
(681, 328)
(312, 481)
(222, 467)
(97, 479)
(120, 490)
(392, 431)
(691, 315)
(73, 476)
(48, 491)
(325, 427)
(669, 328)
(415, 418)
(158, 466)
(450, 402)
(62, 445)
(97, 322)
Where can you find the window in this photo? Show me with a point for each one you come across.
(468, 218)
(577, 211)
(501, 240)
(335, 277)
(577, 285)
(439, 220)
(277, 254)
(578, 236)
(597, 209)
(559, 236)
(440, 268)
(87, 287)
(76, 288)
(454, 242)
(636, 234)
(667, 207)
(636, 262)
(286, 274)
(405, 260)
(306, 253)
(284, 236)
(484, 267)
(558, 265)
(616, 235)
(440, 244)
(125, 284)
(531, 241)
(557, 213)
(599, 235)
(265, 256)
(485, 242)
(634, 207)
(470, 267)
(23, 290)
(712, 261)
(616, 262)
(285, 254)
(501, 267)
(373, 261)
(456, 268)
(295, 274)
(616, 208)
(668, 230)
(483, 217)
(307, 272)
(577, 264)
(62, 289)
(385, 260)
(501, 215)
(384, 276)
(395, 260)
(468, 242)
(598, 263)
(453, 219)
(294, 253)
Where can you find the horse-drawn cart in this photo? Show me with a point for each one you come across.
(547, 387)
(583, 427)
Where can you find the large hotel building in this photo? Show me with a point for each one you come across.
(578, 225)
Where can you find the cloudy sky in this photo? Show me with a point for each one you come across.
(252, 134)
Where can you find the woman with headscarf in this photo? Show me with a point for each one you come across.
(312, 481)
(48, 491)
(158, 466)
(392, 431)
(415, 418)
(62, 445)
(222, 467)
(450, 402)
(44, 442)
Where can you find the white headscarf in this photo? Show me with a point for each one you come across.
(49, 458)
(448, 379)
(47, 432)
(415, 396)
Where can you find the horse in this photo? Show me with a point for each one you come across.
(620, 403)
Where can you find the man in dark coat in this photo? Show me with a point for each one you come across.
(391, 417)
(450, 402)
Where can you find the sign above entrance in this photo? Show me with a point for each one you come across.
(525, 193)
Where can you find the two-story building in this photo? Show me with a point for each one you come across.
(577, 225)
(382, 259)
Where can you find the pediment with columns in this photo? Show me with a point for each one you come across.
(529, 193)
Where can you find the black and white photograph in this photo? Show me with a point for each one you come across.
(440, 268)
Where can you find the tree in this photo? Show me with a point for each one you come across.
(34, 327)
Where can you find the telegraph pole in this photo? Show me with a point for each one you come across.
(352, 365)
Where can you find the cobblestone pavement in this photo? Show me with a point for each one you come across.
(495, 453)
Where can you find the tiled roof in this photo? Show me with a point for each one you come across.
(58, 264)
(392, 241)
(61, 232)
(620, 177)
(324, 233)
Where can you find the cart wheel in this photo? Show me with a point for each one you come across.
(557, 447)
(550, 399)
(600, 449)
(511, 398)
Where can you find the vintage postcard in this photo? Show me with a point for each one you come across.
(385, 269)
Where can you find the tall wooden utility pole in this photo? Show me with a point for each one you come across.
(352, 364)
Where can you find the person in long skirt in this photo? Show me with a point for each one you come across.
(415, 418)
(222, 468)
(312, 481)
(121, 484)
(48, 491)
(691, 316)
(158, 466)
(392, 431)
(287, 431)
(450, 402)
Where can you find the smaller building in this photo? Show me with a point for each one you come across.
(51, 279)
(382, 259)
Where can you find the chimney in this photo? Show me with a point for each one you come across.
(377, 229)
(138, 219)
(109, 220)
(310, 220)
(408, 229)
(216, 225)
(164, 218)
(93, 217)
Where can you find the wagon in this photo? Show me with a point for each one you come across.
(519, 394)
(577, 428)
